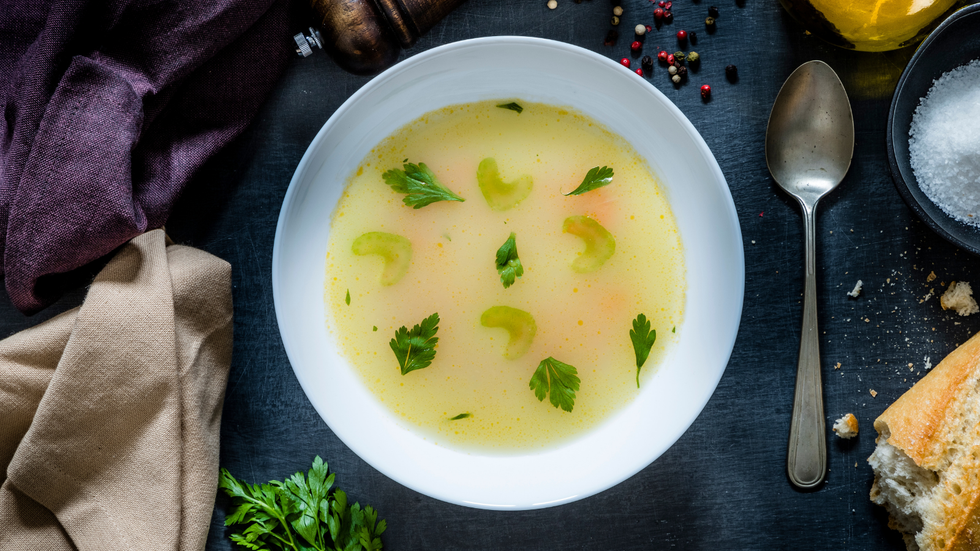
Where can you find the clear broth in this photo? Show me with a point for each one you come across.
(582, 319)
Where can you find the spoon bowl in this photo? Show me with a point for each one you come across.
(809, 145)
(810, 138)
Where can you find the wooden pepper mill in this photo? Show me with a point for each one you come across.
(365, 36)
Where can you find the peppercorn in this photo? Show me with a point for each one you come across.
(731, 73)
(709, 22)
(614, 21)
(676, 79)
(552, 4)
(670, 59)
(668, 5)
(662, 56)
(693, 58)
(672, 70)
(713, 12)
(647, 63)
(681, 37)
(639, 72)
(705, 92)
(611, 37)
(636, 46)
(679, 57)
(618, 11)
(693, 37)
(625, 62)
(648, 28)
(640, 30)
(661, 3)
(682, 71)
(668, 17)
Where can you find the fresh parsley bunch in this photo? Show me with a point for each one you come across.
(300, 514)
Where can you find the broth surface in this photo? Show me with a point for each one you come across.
(582, 319)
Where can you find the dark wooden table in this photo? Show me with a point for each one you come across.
(723, 484)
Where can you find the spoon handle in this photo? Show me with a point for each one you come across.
(806, 462)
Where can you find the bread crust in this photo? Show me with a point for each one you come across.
(926, 423)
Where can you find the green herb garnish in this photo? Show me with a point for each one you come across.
(347, 300)
(513, 106)
(643, 339)
(419, 184)
(375, 328)
(558, 379)
(508, 264)
(595, 179)
(461, 416)
(415, 349)
(299, 514)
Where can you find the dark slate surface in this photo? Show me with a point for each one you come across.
(723, 484)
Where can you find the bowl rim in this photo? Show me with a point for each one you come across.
(724, 347)
(901, 184)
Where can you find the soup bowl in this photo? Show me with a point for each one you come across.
(532, 70)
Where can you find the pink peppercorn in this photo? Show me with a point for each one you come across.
(639, 72)
(682, 36)
(625, 62)
(662, 56)
(706, 95)
(649, 28)
(658, 14)
(668, 17)
(661, 3)
(670, 59)
(668, 5)
(636, 45)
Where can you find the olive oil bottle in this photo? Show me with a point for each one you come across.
(871, 25)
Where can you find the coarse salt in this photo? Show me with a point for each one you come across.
(944, 143)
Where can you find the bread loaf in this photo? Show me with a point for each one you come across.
(927, 462)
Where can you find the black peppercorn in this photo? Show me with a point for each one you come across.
(692, 36)
(713, 12)
(647, 63)
(611, 37)
(731, 73)
(682, 71)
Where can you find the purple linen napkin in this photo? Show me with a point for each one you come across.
(109, 108)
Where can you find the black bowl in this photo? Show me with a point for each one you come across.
(955, 42)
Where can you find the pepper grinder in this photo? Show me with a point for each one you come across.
(365, 36)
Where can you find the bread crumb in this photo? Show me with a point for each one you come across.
(959, 297)
(873, 393)
(857, 289)
(928, 362)
(837, 366)
(931, 277)
(846, 426)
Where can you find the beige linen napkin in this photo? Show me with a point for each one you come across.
(109, 413)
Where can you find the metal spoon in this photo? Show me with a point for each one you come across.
(809, 145)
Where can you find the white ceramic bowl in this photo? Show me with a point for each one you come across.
(540, 71)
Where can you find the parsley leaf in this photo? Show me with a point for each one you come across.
(461, 416)
(419, 184)
(347, 300)
(595, 179)
(557, 378)
(415, 349)
(300, 513)
(513, 106)
(643, 339)
(508, 264)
